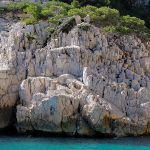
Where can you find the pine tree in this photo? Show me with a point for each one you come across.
(75, 4)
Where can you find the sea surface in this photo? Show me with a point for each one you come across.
(49, 143)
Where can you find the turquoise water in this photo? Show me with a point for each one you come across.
(30, 143)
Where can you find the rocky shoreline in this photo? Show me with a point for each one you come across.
(77, 82)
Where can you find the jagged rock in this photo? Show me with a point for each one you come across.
(87, 19)
(63, 104)
(78, 19)
(13, 44)
(106, 92)
(50, 105)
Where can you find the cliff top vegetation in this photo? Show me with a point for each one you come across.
(101, 15)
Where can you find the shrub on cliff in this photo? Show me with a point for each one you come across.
(105, 16)
(97, 3)
(55, 11)
(34, 10)
(14, 6)
(118, 29)
(133, 23)
(128, 25)
(57, 3)
(31, 12)
(75, 4)
(76, 11)
(100, 16)
(30, 21)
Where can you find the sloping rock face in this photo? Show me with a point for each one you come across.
(15, 38)
(8, 92)
(82, 82)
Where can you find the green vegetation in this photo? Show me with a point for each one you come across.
(128, 24)
(32, 11)
(125, 7)
(56, 12)
(84, 26)
(67, 25)
(30, 37)
(75, 4)
(101, 16)
(97, 3)
(18, 6)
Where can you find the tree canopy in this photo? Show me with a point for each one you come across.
(104, 17)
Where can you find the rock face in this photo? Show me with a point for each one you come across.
(8, 90)
(15, 38)
(51, 105)
(82, 81)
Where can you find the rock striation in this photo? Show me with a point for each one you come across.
(79, 81)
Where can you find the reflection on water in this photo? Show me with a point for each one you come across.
(32, 143)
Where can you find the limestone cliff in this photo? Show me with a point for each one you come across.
(80, 81)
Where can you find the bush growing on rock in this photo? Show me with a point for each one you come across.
(30, 21)
(127, 25)
(55, 20)
(52, 9)
(14, 6)
(105, 16)
(55, 11)
(91, 11)
(99, 16)
(67, 25)
(75, 4)
(117, 29)
(34, 10)
(97, 3)
(133, 23)
(76, 11)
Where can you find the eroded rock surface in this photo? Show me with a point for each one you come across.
(81, 81)
(15, 38)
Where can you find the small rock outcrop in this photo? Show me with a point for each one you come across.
(80, 81)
